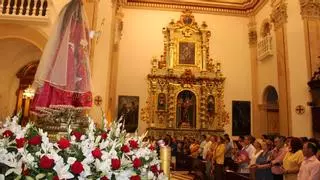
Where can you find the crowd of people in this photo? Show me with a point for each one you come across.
(265, 158)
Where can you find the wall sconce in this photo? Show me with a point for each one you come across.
(28, 93)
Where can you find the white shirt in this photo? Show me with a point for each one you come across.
(309, 169)
(254, 157)
(206, 149)
(250, 150)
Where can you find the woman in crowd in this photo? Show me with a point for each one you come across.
(277, 157)
(263, 167)
(256, 154)
(293, 159)
(218, 159)
(209, 157)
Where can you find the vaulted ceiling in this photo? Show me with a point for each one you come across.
(232, 7)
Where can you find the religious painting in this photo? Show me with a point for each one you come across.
(241, 118)
(211, 105)
(162, 102)
(186, 53)
(186, 110)
(128, 109)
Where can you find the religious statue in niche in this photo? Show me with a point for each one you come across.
(187, 53)
(211, 105)
(186, 109)
(128, 109)
(162, 102)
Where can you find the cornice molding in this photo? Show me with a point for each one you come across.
(226, 7)
(310, 8)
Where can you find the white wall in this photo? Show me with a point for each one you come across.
(267, 68)
(142, 39)
(298, 74)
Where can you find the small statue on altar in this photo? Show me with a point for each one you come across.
(186, 110)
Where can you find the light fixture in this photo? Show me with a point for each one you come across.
(28, 93)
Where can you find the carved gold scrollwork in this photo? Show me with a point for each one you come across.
(202, 78)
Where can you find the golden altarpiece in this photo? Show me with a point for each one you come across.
(185, 87)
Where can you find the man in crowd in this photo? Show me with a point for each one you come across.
(310, 167)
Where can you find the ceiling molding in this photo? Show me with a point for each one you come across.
(226, 7)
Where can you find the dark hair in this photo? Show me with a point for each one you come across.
(313, 147)
(296, 145)
(227, 139)
(304, 139)
(226, 135)
(264, 136)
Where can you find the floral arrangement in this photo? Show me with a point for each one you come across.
(112, 154)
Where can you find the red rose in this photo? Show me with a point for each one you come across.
(104, 178)
(46, 163)
(77, 134)
(136, 177)
(96, 153)
(63, 143)
(154, 168)
(55, 178)
(20, 142)
(104, 135)
(77, 167)
(25, 172)
(133, 144)
(125, 149)
(35, 140)
(151, 147)
(137, 163)
(7, 133)
(115, 164)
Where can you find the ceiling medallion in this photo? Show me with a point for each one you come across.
(228, 7)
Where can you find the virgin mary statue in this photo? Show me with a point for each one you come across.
(63, 75)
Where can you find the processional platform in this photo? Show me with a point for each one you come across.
(185, 86)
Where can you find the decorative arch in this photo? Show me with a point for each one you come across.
(27, 33)
(265, 28)
(186, 113)
(270, 95)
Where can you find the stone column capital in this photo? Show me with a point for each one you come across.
(253, 35)
(279, 15)
(310, 8)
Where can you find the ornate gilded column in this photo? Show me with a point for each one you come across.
(310, 12)
(205, 49)
(253, 39)
(279, 18)
(116, 33)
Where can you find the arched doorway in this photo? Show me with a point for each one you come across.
(271, 104)
(26, 77)
(17, 69)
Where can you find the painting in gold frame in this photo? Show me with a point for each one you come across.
(187, 53)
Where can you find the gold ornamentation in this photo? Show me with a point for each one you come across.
(168, 78)
(310, 8)
(279, 15)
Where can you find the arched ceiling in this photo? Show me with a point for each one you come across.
(231, 7)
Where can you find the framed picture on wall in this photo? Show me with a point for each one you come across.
(128, 109)
(241, 118)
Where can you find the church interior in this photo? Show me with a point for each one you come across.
(179, 68)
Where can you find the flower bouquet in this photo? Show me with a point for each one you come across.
(109, 153)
